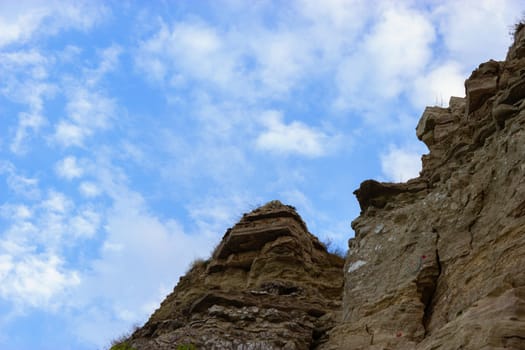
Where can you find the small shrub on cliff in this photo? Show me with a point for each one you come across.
(197, 263)
(186, 347)
(516, 28)
(122, 346)
(121, 343)
(332, 248)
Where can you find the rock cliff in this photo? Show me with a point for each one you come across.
(436, 263)
(270, 284)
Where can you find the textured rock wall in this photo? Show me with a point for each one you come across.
(438, 262)
(269, 285)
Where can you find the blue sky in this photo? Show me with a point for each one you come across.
(134, 133)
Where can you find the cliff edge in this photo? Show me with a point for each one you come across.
(270, 284)
(437, 262)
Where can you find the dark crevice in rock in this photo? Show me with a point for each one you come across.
(280, 288)
(519, 211)
(378, 194)
(371, 334)
(316, 335)
(428, 291)
(471, 233)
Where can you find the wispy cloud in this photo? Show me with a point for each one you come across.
(89, 189)
(24, 81)
(20, 184)
(34, 279)
(294, 138)
(88, 111)
(400, 164)
(68, 168)
(26, 72)
(109, 61)
(32, 269)
(464, 28)
(22, 20)
(137, 243)
(402, 34)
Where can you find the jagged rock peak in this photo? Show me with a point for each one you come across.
(270, 284)
(495, 96)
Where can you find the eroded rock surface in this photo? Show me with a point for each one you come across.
(438, 262)
(269, 285)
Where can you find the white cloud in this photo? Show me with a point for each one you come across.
(89, 109)
(88, 112)
(86, 224)
(17, 212)
(437, 86)
(400, 164)
(138, 244)
(24, 73)
(22, 20)
(20, 60)
(109, 60)
(68, 168)
(294, 138)
(34, 280)
(89, 189)
(35, 237)
(268, 64)
(23, 186)
(282, 59)
(347, 15)
(27, 122)
(57, 202)
(69, 134)
(189, 48)
(474, 32)
(403, 35)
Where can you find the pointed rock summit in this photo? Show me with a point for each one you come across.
(270, 284)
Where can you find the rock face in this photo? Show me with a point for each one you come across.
(269, 285)
(438, 262)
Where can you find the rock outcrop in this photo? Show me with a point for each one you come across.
(438, 262)
(270, 284)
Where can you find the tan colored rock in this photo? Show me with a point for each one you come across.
(436, 262)
(482, 84)
(442, 267)
(270, 284)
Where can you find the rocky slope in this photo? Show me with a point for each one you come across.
(270, 284)
(436, 263)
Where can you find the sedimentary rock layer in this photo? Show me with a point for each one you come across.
(438, 262)
(270, 284)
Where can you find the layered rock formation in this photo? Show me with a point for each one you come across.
(438, 262)
(269, 285)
